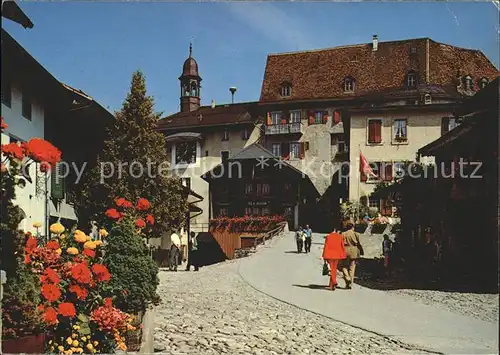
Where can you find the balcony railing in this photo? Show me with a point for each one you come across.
(285, 128)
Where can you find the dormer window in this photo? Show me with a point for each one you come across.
(427, 99)
(349, 84)
(411, 80)
(286, 90)
(483, 82)
(468, 83)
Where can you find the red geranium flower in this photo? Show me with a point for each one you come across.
(139, 223)
(121, 202)
(101, 272)
(108, 302)
(13, 150)
(150, 219)
(3, 125)
(53, 244)
(31, 244)
(142, 204)
(81, 273)
(51, 292)
(88, 252)
(113, 213)
(79, 291)
(50, 276)
(40, 150)
(50, 316)
(66, 309)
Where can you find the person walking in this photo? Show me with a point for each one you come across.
(333, 252)
(299, 239)
(193, 252)
(354, 250)
(308, 240)
(174, 251)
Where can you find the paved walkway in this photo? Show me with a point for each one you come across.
(296, 279)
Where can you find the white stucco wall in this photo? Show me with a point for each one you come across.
(422, 128)
(30, 198)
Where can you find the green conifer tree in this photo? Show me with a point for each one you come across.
(134, 158)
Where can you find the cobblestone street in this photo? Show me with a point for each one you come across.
(214, 311)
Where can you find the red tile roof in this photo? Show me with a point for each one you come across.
(207, 116)
(320, 74)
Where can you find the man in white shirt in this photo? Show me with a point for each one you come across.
(174, 251)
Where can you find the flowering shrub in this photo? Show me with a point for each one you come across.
(246, 223)
(74, 281)
(127, 256)
(22, 292)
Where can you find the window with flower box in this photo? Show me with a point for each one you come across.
(400, 130)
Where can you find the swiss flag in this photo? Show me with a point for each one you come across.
(364, 167)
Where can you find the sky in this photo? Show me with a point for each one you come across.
(96, 47)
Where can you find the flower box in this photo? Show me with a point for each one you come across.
(400, 139)
(30, 344)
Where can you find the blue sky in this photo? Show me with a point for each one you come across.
(96, 46)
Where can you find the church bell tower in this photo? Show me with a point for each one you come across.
(190, 84)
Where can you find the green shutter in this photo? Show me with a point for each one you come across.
(57, 185)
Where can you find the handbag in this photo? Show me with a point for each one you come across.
(326, 269)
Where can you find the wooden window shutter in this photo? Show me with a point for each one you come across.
(445, 125)
(388, 172)
(325, 116)
(302, 151)
(310, 116)
(57, 187)
(378, 131)
(336, 117)
(371, 131)
(285, 150)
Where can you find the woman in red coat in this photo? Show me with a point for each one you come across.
(333, 251)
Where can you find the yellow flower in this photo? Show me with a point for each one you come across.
(79, 350)
(68, 352)
(89, 245)
(69, 340)
(62, 236)
(80, 237)
(130, 327)
(98, 243)
(84, 338)
(75, 343)
(57, 228)
(52, 349)
(96, 343)
(74, 335)
(50, 342)
(122, 346)
(103, 233)
(72, 251)
(90, 346)
(59, 251)
(60, 348)
(37, 225)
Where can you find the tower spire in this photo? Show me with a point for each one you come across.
(190, 49)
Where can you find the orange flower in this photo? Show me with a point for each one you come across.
(121, 202)
(142, 204)
(139, 223)
(40, 150)
(31, 244)
(150, 219)
(50, 276)
(53, 244)
(50, 316)
(101, 272)
(88, 252)
(108, 302)
(51, 292)
(113, 213)
(81, 273)
(66, 309)
(79, 291)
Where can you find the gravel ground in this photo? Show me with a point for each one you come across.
(477, 305)
(214, 311)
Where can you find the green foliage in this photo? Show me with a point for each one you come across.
(134, 273)
(22, 290)
(354, 210)
(133, 142)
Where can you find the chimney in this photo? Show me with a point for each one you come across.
(375, 43)
(232, 89)
(213, 104)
